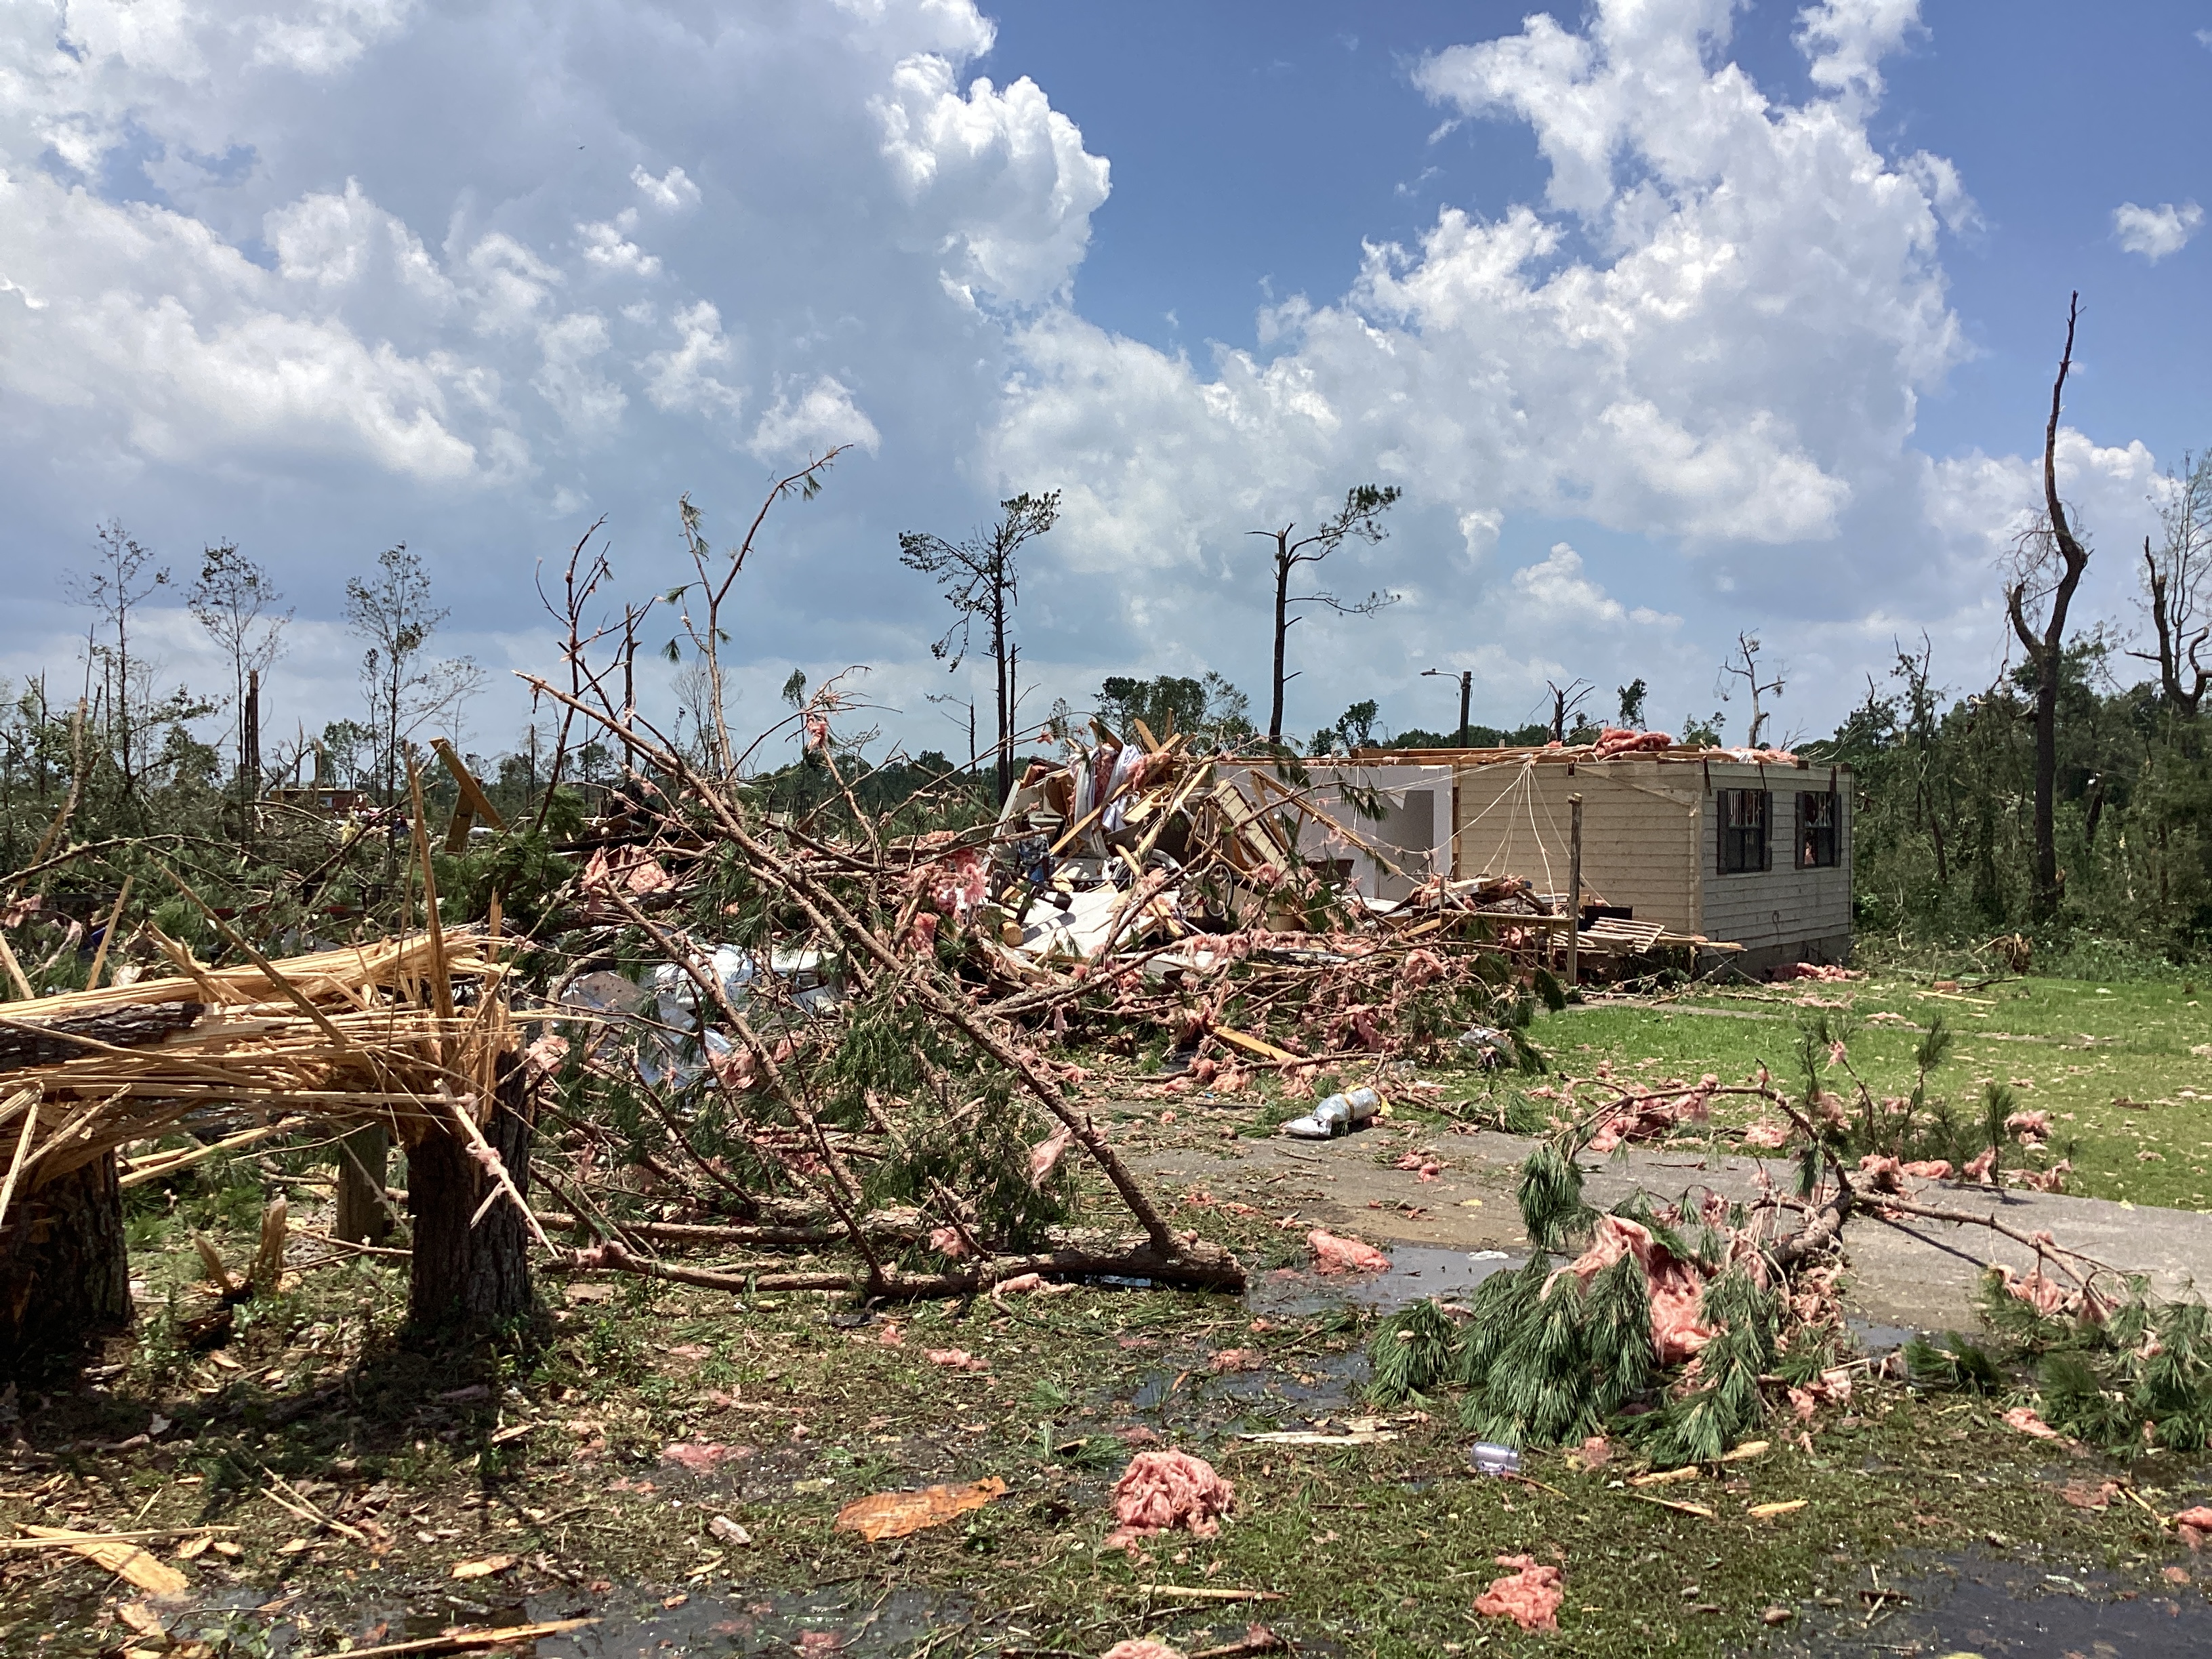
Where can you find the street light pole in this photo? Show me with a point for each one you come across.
(1466, 678)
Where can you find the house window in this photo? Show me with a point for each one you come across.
(1744, 816)
(1816, 831)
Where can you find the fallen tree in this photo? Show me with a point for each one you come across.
(1684, 1324)
(410, 1035)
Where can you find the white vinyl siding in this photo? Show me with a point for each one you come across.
(1762, 910)
(1636, 832)
(1651, 840)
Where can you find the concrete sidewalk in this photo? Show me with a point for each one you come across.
(1914, 1272)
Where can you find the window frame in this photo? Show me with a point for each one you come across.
(1832, 831)
(1737, 840)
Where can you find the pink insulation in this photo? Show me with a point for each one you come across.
(1882, 1173)
(1163, 1491)
(960, 883)
(1652, 1117)
(1816, 970)
(1676, 1286)
(1529, 1595)
(1627, 740)
(1047, 1153)
(1332, 1255)
(957, 1359)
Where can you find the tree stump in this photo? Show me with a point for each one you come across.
(466, 1278)
(362, 1216)
(64, 1276)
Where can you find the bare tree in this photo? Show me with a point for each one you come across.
(234, 600)
(1566, 700)
(123, 573)
(1744, 666)
(981, 583)
(2175, 576)
(1360, 518)
(711, 583)
(966, 704)
(2047, 568)
(394, 614)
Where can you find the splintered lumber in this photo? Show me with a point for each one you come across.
(1253, 837)
(338, 1038)
(473, 803)
(119, 1556)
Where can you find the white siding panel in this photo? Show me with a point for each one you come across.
(1783, 906)
(1651, 840)
(1638, 832)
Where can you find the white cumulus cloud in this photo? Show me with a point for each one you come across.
(1713, 328)
(820, 418)
(2156, 232)
(671, 193)
(1002, 173)
(607, 245)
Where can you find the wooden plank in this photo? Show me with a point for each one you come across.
(1253, 830)
(473, 802)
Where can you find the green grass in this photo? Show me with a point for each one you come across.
(2073, 1048)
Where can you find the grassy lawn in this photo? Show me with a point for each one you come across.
(2124, 1069)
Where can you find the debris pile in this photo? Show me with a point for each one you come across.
(857, 1045)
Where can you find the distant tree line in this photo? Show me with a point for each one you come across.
(2065, 799)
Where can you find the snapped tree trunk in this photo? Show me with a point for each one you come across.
(64, 1277)
(1004, 771)
(2046, 651)
(362, 1216)
(468, 1277)
(1282, 626)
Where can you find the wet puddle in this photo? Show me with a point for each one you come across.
(1416, 1271)
(1990, 1609)
(1878, 1339)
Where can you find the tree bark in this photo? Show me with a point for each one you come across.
(1204, 1265)
(64, 1277)
(362, 1216)
(1004, 771)
(2046, 654)
(1282, 625)
(466, 1278)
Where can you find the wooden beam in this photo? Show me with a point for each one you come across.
(473, 803)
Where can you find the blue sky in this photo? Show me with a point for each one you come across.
(1275, 138)
(1673, 320)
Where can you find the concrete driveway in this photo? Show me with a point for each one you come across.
(1920, 1274)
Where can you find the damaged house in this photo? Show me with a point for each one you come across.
(1749, 850)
